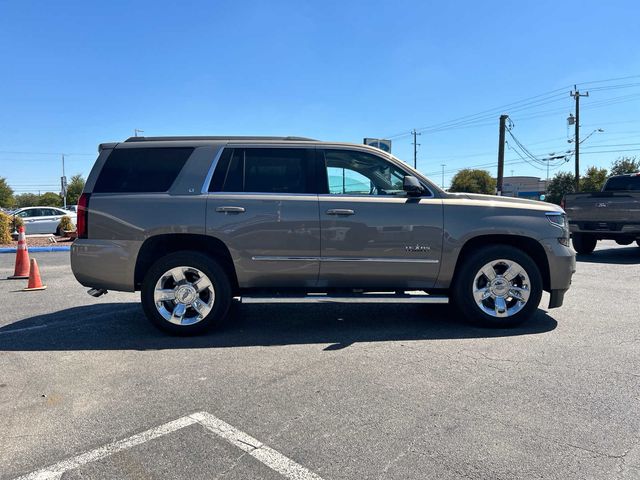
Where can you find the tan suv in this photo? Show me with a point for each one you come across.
(192, 222)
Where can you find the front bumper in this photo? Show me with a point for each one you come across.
(562, 266)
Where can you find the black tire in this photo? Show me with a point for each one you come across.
(625, 242)
(206, 265)
(583, 244)
(462, 289)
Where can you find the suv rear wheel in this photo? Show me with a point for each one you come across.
(583, 244)
(185, 293)
(498, 286)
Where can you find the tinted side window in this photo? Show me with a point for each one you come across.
(32, 212)
(141, 169)
(266, 170)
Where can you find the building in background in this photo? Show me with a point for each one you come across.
(524, 187)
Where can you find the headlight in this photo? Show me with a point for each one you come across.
(558, 219)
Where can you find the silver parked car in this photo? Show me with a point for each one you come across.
(43, 219)
(193, 221)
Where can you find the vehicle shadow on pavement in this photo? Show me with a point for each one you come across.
(122, 326)
(616, 256)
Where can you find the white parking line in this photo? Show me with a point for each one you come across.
(261, 452)
(258, 450)
(55, 471)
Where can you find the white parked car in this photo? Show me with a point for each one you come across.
(43, 219)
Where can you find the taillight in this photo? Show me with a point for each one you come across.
(83, 214)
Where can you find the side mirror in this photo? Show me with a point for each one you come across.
(411, 185)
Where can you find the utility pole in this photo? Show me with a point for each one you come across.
(576, 94)
(442, 165)
(136, 131)
(63, 184)
(415, 148)
(503, 127)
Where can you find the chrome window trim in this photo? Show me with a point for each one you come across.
(272, 194)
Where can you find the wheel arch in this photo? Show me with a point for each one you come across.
(527, 245)
(158, 246)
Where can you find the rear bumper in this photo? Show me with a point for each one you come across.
(606, 230)
(107, 264)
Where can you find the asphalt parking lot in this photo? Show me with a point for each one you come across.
(321, 391)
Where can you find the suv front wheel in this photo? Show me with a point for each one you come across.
(498, 286)
(185, 293)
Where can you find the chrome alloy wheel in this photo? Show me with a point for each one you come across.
(184, 295)
(501, 288)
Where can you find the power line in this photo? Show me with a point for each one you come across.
(484, 114)
(609, 80)
(7, 152)
(527, 103)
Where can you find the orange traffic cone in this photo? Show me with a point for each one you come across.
(22, 257)
(35, 282)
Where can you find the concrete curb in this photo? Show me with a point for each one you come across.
(38, 249)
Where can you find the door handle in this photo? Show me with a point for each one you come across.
(340, 211)
(230, 209)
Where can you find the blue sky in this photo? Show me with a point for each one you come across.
(75, 74)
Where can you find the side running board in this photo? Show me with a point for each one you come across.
(413, 297)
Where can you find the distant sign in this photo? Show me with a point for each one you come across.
(382, 144)
(63, 186)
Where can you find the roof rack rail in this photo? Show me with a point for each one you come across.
(177, 139)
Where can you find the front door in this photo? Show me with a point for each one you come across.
(263, 205)
(373, 234)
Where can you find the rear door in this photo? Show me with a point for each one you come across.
(373, 234)
(263, 205)
(51, 220)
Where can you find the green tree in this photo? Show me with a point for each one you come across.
(50, 199)
(593, 180)
(26, 200)
(625, 165)
(561, 184)
(6, 194)
(473, 181)
(74, 189)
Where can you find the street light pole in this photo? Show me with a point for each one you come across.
(442, 165)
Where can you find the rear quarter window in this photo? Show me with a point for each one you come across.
(141, 169)
(631, 182)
